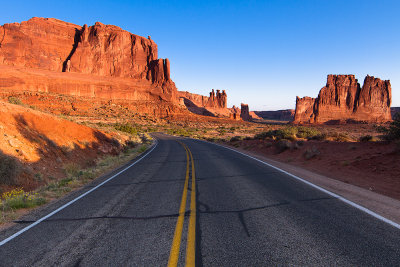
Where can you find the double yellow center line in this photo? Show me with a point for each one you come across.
(191, 237)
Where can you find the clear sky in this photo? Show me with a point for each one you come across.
(263, 53)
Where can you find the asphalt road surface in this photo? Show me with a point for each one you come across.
(190, 202)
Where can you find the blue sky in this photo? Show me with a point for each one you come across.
(263, 53)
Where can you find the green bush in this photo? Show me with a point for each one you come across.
(307, 133)
(126, 128)
(9, 170)
(340, 137)
(18, 199)
(14, 100)
(289, 133)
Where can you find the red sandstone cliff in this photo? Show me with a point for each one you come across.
(34, 53)
(214, 105)
(342, 99)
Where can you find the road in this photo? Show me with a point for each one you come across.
(240, 213)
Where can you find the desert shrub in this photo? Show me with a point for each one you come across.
(145, 138)
(9, 170)
(130, 144)
(319, 137)
(261, 136)
(14, 100)
(142, 149)
(340, 137)
(236, 138)
(221, 131)
(282, 145)
(311, 153)
(289, 133)
(306, 132)
(72, 169)
(126, 128)
(18, 199)
(247, 138)
(366, 138)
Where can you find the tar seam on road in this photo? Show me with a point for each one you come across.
(74, 200)
(191, 237)
(355, 205)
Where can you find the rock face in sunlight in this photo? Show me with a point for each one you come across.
(343, 100)
(49, 55)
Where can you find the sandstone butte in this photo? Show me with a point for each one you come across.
(215, 105)
(96, 63)
(343, 100)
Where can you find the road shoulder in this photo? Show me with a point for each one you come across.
(380, 204)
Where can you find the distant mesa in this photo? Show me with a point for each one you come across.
(343, 100)
(278, 115)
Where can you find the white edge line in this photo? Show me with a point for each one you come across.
(351, 203)
(72, 201)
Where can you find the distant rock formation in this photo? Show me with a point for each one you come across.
(214, 105)
(279, 115)
(216, 100)
(41, 46)
(235, 113)
(244, 112)
(342, 100)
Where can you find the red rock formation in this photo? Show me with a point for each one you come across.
(244, 112)
(215, 105)
(235, 113)
(342, 99)
(97, 51)
(217, 100)
(304, 110)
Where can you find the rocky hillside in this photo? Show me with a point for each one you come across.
(36, 147)
(342, 99)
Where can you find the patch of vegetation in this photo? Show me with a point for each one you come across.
(9, 170)
(18, 199)
(127, 128)
(15, 100)
(340, 137)
(289, 133)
